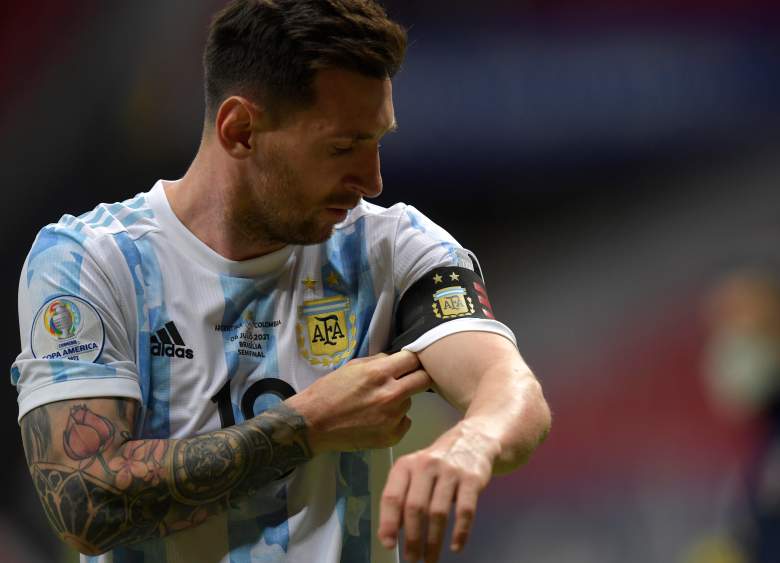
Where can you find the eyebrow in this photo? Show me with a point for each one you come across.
(361, 136)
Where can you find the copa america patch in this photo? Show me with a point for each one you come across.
(67, 328)
(441, 295)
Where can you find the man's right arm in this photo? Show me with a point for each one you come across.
(101, 489)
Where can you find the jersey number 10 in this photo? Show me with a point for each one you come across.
(268, 386)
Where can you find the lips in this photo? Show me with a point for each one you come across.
(345, 204)
(337, 213)
(340, 209)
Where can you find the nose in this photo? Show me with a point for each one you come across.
(368, 181)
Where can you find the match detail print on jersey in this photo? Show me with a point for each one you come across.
(441, 295)
(66, 327)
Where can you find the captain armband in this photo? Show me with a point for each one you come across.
(442, 295)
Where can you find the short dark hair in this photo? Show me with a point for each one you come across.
(270, 50)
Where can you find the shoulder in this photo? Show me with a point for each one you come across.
(96, 229)
(398, 216)
(371, 213)
(134, 216)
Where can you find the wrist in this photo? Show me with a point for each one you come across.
(309, 412)
(506, 451)
(479, 440)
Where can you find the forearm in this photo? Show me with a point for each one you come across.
(151, 488)
(509, 407)
(505, 418)
(505, 412)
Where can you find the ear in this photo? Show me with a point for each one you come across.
(237, 119)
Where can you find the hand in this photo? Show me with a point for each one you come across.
(422, 488)
(363, 404)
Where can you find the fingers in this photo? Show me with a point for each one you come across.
(414, 383)
(420, 493)
(465, 509)
(391, 507)
(400, 363)
(364, 359)
(415, 513)
(400, 430)
(441, 501)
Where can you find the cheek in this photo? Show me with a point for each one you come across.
(320, 179)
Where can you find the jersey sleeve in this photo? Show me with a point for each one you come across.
(76, 338)
(423, 252)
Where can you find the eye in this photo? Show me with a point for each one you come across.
(337, 151)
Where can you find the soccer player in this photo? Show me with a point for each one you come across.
(202, 376)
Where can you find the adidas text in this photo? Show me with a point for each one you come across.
(171, 351)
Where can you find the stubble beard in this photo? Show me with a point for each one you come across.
(274, 214)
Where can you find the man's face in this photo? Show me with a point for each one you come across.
(315, 166)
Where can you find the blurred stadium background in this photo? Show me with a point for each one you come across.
(606, 160)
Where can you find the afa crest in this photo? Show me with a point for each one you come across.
(326, 330)
(451, 302)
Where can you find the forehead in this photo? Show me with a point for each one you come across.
(349, 103)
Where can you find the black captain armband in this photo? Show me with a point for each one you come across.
(440, 296)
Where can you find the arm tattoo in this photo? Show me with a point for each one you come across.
(245, 457)
(36, 435)
(151, 488)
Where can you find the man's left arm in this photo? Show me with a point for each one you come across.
(506, 418)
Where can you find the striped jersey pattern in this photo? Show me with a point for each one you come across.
(124, 301)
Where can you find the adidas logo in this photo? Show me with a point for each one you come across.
(167, 342)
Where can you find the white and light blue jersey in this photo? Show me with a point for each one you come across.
(124, 301)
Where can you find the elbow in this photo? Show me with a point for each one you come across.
(84, 546)
(544, 419)
(533, 426)
(538, 420)
(77, 545)
(77, 528)
(537, 417)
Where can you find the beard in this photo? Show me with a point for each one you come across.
(274, 211)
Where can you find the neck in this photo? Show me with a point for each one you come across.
(203, 199)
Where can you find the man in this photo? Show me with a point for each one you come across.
(186, 386)
(742, 314)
